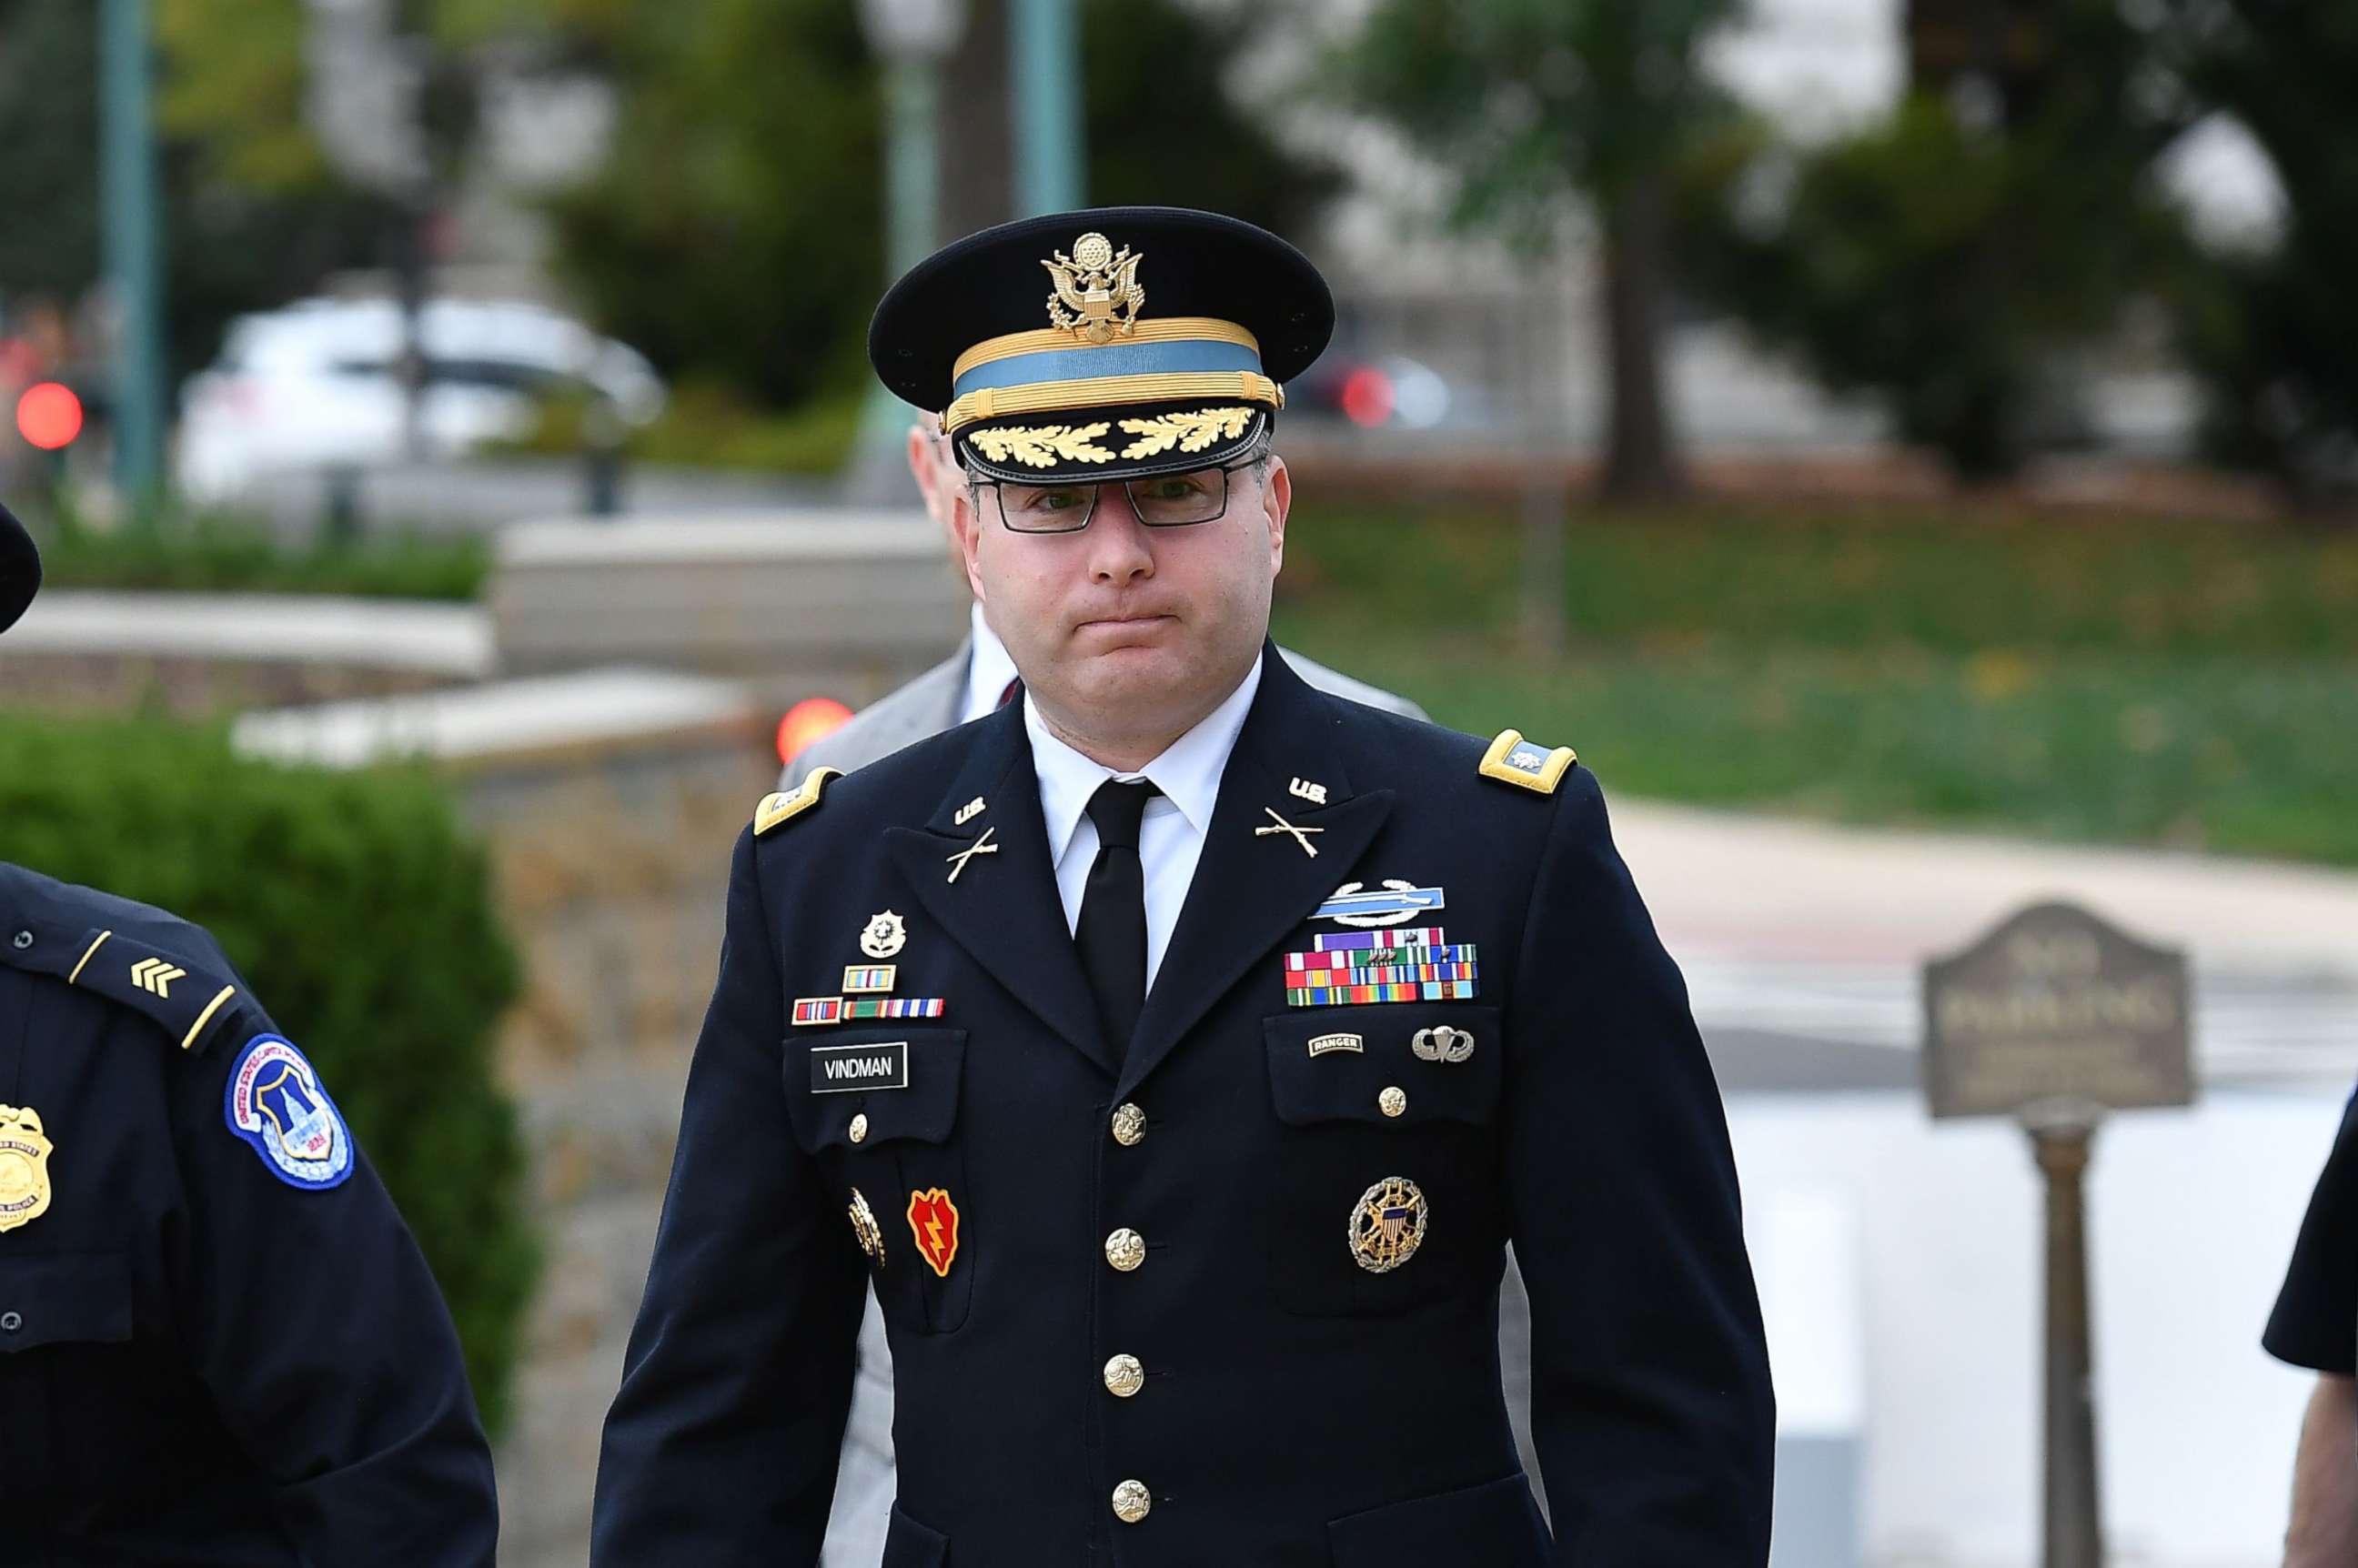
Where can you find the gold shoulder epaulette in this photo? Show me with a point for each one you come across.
(1515, 760)
(787, 804)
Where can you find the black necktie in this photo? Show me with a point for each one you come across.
(1111, 932)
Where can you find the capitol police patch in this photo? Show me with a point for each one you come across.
(275, 1102)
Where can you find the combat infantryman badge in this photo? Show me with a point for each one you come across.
(24, 1167)
(934, 1221)
(1388, 1225)
(883, 935)
(864, 1228)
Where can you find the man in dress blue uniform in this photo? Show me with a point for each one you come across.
(218, 1343)
(2315, 1326)
(1177, 1049)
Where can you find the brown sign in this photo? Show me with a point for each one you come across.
(2056, 1006)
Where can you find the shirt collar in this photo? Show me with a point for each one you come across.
(988, 668)
(1187, 772)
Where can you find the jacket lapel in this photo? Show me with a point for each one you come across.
(1003, 908)
(1252, 887)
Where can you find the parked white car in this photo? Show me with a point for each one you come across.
(315, 386)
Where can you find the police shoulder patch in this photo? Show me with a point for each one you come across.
(275, 1102)
(1515, 760)
(787, 804)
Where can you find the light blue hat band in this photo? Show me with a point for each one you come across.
(1112, 360)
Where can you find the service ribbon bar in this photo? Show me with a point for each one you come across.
(893, 1007)
(1387, 975)
(1355, 996)
(813, 1010)
(1354, 959)
(1395, 937)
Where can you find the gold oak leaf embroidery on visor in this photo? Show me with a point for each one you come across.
(1190, 432)
(1040, 446)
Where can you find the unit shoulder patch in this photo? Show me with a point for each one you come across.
(275, 1102)
(1515, 760)
(786, 804)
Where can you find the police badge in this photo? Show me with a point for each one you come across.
(24, 1167)
(1388, 1225)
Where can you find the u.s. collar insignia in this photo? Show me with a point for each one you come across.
(1387, 1224)
(275, 1102)
(24, 1167)
(864, 1228)
(934, 1221)
(1097, 293)
(883, 935)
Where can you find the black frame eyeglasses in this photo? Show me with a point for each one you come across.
(1180, 500)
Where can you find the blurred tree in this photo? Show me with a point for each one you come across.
(1531, 104)
(1949, 260)
(252, 214)
(2274, 327)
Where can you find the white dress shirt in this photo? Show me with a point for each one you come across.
(1170, 838)
(987, 672)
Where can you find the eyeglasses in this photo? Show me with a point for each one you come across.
(1163, 500)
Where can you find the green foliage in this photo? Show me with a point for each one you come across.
(2275, 333)
(372, 938)
(250, 218)
(223, 556)
(705, 425)
(2188, 684)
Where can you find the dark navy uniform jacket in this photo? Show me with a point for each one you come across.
(2315, 1323)
(1297, 1410)
(201, 1362)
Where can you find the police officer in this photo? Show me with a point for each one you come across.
(218, 1343)
(2315, 1326)
(1177, 1049)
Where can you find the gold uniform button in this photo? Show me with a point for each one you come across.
(1132, 1501)
(1124, 1376)
(859, 1127)
(1392, 1101)
(1129, 1126)
(1125, 1249)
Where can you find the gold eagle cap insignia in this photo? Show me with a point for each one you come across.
(787, 804)
(1098, 295)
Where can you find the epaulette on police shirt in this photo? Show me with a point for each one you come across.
(1515, 760)
(189, 999)
(786, 804)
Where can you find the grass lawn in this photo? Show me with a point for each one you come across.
(203, 555)
(2190, 684)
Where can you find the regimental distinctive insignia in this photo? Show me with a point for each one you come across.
(864, 1228)
(1326, 1044)
(969, 812)
(883, 935)
(982, 846)
(1515, 760)
(1395, 904)
(1302, 789)
(1301, 834)
(275, 1102)
(934, 1221)
(1349, 968)
(24, 1167)
(869, 979)
(787, 804)
(1388, 1225)
(1097, 293)
(1442, 1043)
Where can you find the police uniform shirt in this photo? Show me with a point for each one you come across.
(1231, 1296)
(219, 1344)
(1170, 834)
(2315, 1323)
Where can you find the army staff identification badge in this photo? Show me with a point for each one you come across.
(24, 1167)
(1388, 1225)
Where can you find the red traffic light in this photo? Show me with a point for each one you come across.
(48, 416)
(1368, 396)
(808, 720)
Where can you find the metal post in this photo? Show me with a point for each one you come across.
(1044, 93)
(912, 196)
(132, 238)
(2074, 1529)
